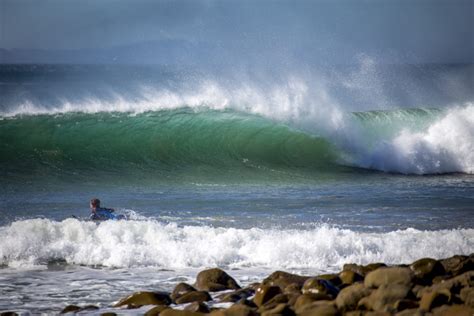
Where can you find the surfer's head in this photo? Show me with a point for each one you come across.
(95, 203)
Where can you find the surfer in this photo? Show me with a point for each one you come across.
(100, 213)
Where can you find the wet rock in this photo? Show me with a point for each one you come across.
(389, 276)
(384, 298)
(274, 301)
(180, 289)
(453, 285)
(198, 307)
(458, 264)
(333, 278)
(426, 269)
(348, 297)
(404, 304)
(195, 296)
(348, 277)
(434, 299)
(236, 295)
(293, 288)
(8, 314)
(279, 310)
(319, 286)
(235, 310)
(176, 312)
(454, 310)
(108, 314)
(410, 312)
(156, 310)
(363, 270)
(69, 309)
(265, 293)
(283, 279)
(215, 280)
(145, 298)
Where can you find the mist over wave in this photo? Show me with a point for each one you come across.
(149, 243)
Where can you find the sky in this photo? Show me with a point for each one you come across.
(333, 31)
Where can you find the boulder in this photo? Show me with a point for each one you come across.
(236, 295)
(264, 293)
(145, 298)
(176, 312)
(348, 297)
(180, 289)
(318, 308)
(283, 279)
(235, 310)
(348, 277)
(319, 286)
(426, 269)
(279, 310)
(362, 270)
(195, 296)
(215, 280)
(454, 310)
(156, 310)
(434, 299)
(389, 276)
(467, 296)
(197, 307)
(458, 264)
(307, 299)
(385, 297)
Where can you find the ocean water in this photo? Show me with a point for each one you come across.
(296, 172)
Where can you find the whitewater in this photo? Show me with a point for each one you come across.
(299, 172)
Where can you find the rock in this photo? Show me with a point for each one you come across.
(404, 304)
(426, 269)
(350, 277)
(293, 288)
(108, 314)
(180, 289)
(434, 299)
(458, 264)
(215, 280)
(319, 308)
(235, 310)
(453, 285)
(274, 301)
(70, 309)
(156, 310)
(410, 312)
(384, 298)
(467, 296)
(363, 270)
(145, 298)
(307, 299)
(319, 286)
(265, 293)
(236, 295)
(283, 279)
(333, 278)
(389, 276)
(279, 310)
(195, 296)
(176, 312)
(348, 297)
(454, 310)
(197, 307)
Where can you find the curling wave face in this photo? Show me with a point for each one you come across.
(29, 243)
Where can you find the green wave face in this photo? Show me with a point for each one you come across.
(167, 144)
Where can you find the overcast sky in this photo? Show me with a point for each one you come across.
(411, 30)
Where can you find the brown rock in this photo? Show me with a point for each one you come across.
(145, 298)
(274, 301)
(176, 312)
(236, 295)
(283, 279)
(307, 299)
(458, 264)
(348, 298)
(196, 296)
(454, 310)
(434, 299)
(319, 286)
(319, 308)
(180, 289)
(70, 309)
(426, 269)
(156, 310)
(235, 310)
(215, 280)
(279, 310)
(293, 288)
(363, 270)
(265, 293)
(467, 296)
(350, 277)
(385, 297)
(333, 278)
(198, 307)
(389, 276)
(410, 312)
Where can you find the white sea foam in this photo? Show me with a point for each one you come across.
(446, 146)
(149, 243)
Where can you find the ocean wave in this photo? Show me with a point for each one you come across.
(34, 242)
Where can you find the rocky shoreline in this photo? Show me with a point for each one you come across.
(424, 287)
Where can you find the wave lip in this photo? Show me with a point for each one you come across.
(34, 242)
